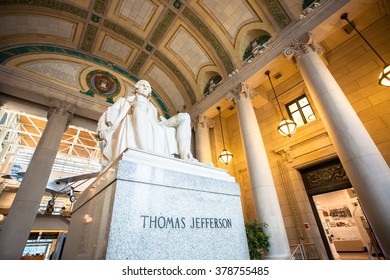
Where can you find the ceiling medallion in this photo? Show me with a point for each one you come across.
(102, 83)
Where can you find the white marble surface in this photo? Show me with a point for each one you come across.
(158, 211)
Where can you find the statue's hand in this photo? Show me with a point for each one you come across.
(101, 134)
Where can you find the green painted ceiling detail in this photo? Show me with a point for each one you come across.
(162, 27)
(139, 62)
(95, 18)
(5, 55)
(100, 6)
(52, 4)
(278, 12)
(205, 31)
(89, 37)
(124, 32)
(178, 74)
(177, 4)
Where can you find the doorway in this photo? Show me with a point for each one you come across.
(340, 218)
(343, 218)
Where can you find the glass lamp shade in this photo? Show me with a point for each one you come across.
(384, 78)
(225, 157)
(287, 127)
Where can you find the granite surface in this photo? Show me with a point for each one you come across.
(156, 208)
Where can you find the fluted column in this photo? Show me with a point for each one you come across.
(202, 139)
(263, 187)
(21, 216)
(365, 166)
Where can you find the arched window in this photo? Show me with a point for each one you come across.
(307, 3)
(211, 85)
(255, 46)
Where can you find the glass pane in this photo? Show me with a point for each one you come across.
(303, 102)
(293, 107)
(308, 113)
(297, 118)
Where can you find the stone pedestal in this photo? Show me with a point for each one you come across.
(148, 207)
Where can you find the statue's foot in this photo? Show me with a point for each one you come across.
(189, 157)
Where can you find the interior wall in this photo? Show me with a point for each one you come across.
(355, 68)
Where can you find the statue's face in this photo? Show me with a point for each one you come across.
(143, 87)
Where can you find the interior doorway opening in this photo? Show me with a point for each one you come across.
(341, 221)
(344, 223)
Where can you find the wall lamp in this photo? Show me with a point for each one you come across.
(225, 156)
(384, 77)
(286, 127)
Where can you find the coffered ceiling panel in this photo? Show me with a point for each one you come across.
(140, 12)
(116, 48)
(62, 71)
(231, 14)
(160, 78)
(189, 50)
(23, 24)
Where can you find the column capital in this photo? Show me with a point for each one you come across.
(304, 45)
(242, 90)
(58, 106)
(203, 122)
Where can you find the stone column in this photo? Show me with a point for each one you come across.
(365, 166)
(20, 219)
(202, 139)
(263, 187)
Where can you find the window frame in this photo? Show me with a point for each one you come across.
(296, 101)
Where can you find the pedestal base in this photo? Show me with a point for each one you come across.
(148, 207)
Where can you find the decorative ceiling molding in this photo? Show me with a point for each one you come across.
(123, 32)
(278, 13)
(139, 62)
(8, 54)
(100, 6)
(210, 37)
(52, 4)
(89, 37)
(162, 27)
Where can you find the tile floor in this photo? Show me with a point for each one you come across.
(356, 256)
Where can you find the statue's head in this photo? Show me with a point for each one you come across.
(143, 87)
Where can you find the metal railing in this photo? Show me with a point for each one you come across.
(307, 251)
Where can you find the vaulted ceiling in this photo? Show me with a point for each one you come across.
(178, 46)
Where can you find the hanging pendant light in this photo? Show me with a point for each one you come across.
(384, 76)
(225, 156)
(286, 127)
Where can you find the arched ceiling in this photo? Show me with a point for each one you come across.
(177, 45)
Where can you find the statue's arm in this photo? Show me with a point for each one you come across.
(102, 127)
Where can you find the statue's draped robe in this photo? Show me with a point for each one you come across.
(118, 121)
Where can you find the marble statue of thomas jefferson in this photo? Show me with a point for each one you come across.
(132, 122)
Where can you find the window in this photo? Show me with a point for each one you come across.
(255, 46)
(300, 110)
(212, 84)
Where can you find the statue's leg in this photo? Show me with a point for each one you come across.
(140, 124)
(182, 122)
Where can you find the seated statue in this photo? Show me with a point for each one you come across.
(132, 122)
